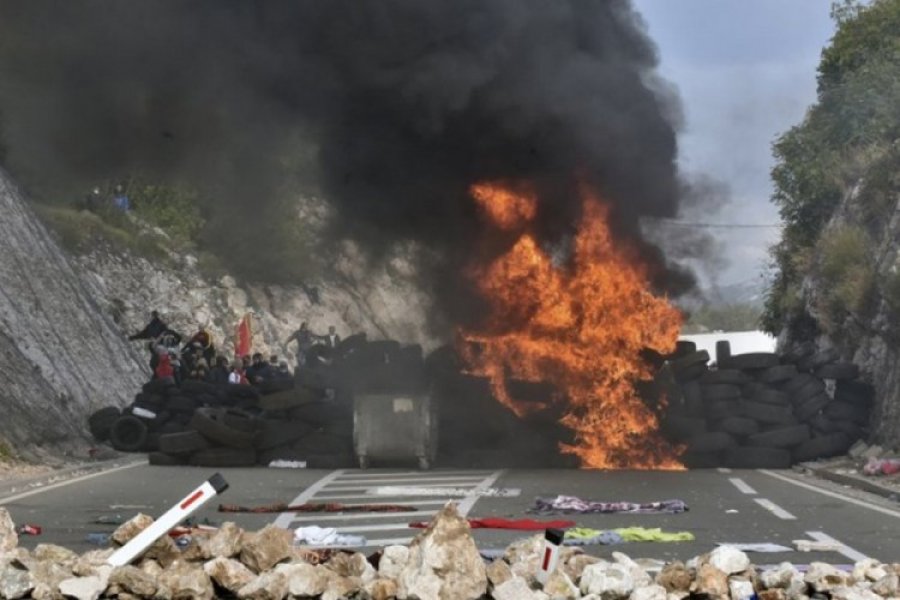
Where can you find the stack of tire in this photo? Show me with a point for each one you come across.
(762, 410)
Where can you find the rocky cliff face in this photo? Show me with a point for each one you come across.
(64, 321)
(60, 355)
(868, 332)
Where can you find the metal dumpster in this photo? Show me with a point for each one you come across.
(394, 428)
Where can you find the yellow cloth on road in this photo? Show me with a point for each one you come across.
(643, 534)
(631, 534)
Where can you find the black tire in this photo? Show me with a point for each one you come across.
(704, 443)
(321, 413)
(771, 396)
(692, 399)
(838, 370)
(286, 399)
(842, 411)
(684, 347)
(851, 430)
(679, 428)
(313, 379)
(350, 344)
(101, 421)
(224, 457)
(752, 360)
(725, 376)
(183, 443)
(242, 392)
(811, 407)
(812, 389)
(272, 386)
(156, 386)
(181, 404)
(720, 391)
(690, 373)
(691, 359)
(275, 433)
(701, 460)
(194, 387)
(152, 402)
(854, 392)
(757, 458)
(128, 434)
(819, 359)
(173, 425)
(211, 423)
(767, 413)
(722, 409)
(786, 437)
(795, 384)
(799, 352)
(822, 447)
(165, 460)
(723, 351)
(739, 426)
(821, 424)
(778, 373)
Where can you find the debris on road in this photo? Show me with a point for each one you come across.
(314, 535)
(442, 562)
(572, 504)
(29, 529)
(326, 507)
(515, 524)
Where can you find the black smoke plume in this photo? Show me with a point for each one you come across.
(407, 103)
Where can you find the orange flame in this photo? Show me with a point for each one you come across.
(580, 328)
(506, 209)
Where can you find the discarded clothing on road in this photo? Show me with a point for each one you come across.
(500, 523)
(584, 536)
(313, 535)
(573, 504)
(882, 466)
(316, 507)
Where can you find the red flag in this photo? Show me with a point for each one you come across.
(243, 337)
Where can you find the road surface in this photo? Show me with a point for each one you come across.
(725, 506)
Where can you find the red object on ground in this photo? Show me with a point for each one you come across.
(243, 338)
(332, 507)
(164, 367)
(28, 529)
(500, 523)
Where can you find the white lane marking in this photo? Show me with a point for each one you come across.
(775, 509)
(846, 550)
(381, 527)
(362, 484)
(341, 516)
(387, 542)
(54, 486)
(284, 519)
(724, 470)
(386, 481)
(742, 485)
(466, 505)
(870, 506)
(378, 475)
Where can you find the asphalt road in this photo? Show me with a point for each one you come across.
(725, 506)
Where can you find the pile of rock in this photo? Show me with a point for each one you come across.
(308, 418)
(441, 563)
(762, 410)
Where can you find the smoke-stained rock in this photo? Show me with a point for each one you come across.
(408, 102)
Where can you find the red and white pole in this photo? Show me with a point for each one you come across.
(553, 538)
(209, 489)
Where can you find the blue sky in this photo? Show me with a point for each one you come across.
(746, 72)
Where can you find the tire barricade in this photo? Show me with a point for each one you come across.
(307, 418)
(763, 410)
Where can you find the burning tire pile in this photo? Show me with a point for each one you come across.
(309, 418)
(762, 410)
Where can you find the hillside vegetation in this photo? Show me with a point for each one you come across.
(836, 180)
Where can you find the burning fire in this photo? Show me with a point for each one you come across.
(580, 327)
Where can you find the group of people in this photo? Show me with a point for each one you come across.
(197, 358)
(96, 201)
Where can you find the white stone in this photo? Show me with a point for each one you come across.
(729, 560)
(304, 579)
(560, 586)
(393, 560)
(638, 574)
(82, 588)
(515, 588)
(780, 576)
(740, 589)
(649, 592)
(610, 581)
(853, 593)
(868, 570)
(824, 577)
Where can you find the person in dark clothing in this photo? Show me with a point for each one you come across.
(332, 339)
(202, 340)
(258, 370)
(305, 340)
(219, 372)
(152, 330)
(283, 372)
